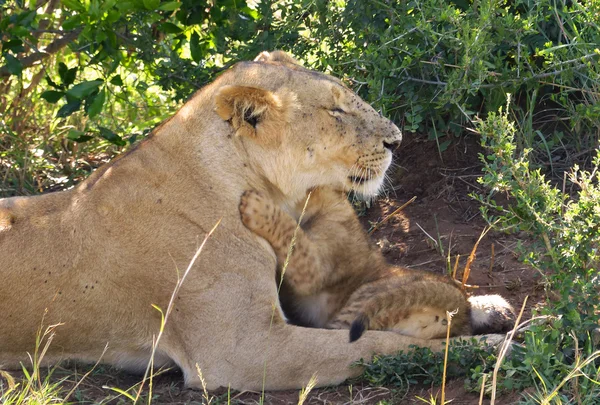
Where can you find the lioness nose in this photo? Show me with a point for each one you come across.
(391, 144)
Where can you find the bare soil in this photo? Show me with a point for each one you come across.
(442, 215)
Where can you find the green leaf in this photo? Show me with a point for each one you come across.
(107, 5)
(73, 5)
(84, 89)
(126, 6)
(78, 136)
(151, 4)
(74, 134)
(195, 49)
(52, 96)
(169, 28)
(67, 75)
(97, 104)
(51, 83)
(68, 109)
(72, 22)
(111, 137)
(13, 65)
(113, 16)
(21, 31)
(116, 80)
(444, 145)
(70, 77)
(93, 9)
(62, 71)
(14, 45)
(170, 6)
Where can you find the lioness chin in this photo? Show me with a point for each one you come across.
(94, 259)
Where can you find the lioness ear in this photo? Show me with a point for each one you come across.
(277, 56)
(254, 112)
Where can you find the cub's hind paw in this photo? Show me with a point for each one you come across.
(255, 210)
(491, 314)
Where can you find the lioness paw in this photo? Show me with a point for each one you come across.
(256, 210)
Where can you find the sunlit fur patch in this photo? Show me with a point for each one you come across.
(6, 221)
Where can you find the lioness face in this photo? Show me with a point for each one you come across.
(313, 130)
(344, 138)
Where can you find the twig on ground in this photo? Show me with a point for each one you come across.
(492, 260)
(384, 220)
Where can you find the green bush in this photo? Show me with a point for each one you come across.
(563, 244)
(434, 64)
(112, 69)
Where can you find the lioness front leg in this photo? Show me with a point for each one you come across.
(306, 270)
(287, 357)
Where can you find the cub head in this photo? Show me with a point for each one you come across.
(302, 129)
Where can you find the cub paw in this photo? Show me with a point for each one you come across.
(255, 209)
(491, 314)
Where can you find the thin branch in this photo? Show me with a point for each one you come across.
(54, 47)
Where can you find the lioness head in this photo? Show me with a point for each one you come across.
(310, 129)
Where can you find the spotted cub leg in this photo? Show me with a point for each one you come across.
(305, 272)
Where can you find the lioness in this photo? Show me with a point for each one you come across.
(98, 256)
(336, 279)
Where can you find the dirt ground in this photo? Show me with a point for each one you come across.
(442, 212)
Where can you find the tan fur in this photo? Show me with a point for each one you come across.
(336, 279)
(98, 256)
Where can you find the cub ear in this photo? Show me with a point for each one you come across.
(253, 112)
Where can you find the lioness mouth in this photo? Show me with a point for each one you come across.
(358, 180)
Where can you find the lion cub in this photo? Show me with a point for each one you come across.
(336, 279)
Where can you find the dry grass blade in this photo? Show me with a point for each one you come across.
(207, 398)
(574, 374)
(492, 258)
(431, 238)
(397, 210)
(283, 269)
(471, 258)
(482, 392)
(9, 379)
(66, 398)
(303, 395)
(504, 350)
(165, 316)
(293, 241)
(455, 269)
(449, 316)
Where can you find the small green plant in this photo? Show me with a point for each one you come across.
(563, 245)
(422, 365)
(35, 387)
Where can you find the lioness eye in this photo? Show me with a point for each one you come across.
(338, 110)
